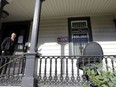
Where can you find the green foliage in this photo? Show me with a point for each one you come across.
(103, 79)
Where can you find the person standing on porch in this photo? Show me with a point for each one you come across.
(7, 47)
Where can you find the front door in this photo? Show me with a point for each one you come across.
(79, 34)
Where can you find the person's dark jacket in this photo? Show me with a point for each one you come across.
(8, 45)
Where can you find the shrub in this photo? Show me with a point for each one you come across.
(100, 78)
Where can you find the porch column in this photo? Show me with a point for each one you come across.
(29, 79)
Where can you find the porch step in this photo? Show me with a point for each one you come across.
(10, 86)
(59, 86)
(48, 86)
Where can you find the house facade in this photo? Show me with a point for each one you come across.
(60, 35)
(56, 22)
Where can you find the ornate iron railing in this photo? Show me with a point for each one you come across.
(11, 69)
(53, 70)
(68, 70)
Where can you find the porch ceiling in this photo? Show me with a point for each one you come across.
(23, 9)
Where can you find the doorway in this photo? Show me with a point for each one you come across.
(79, 34)
(20, 28)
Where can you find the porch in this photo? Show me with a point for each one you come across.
(60, 71)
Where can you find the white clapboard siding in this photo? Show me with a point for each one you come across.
(103, 32)
(50, 30)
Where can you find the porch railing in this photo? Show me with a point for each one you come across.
(54, 70)
(68, 70)
(11, 69)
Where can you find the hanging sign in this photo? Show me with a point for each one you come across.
(62, 39)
